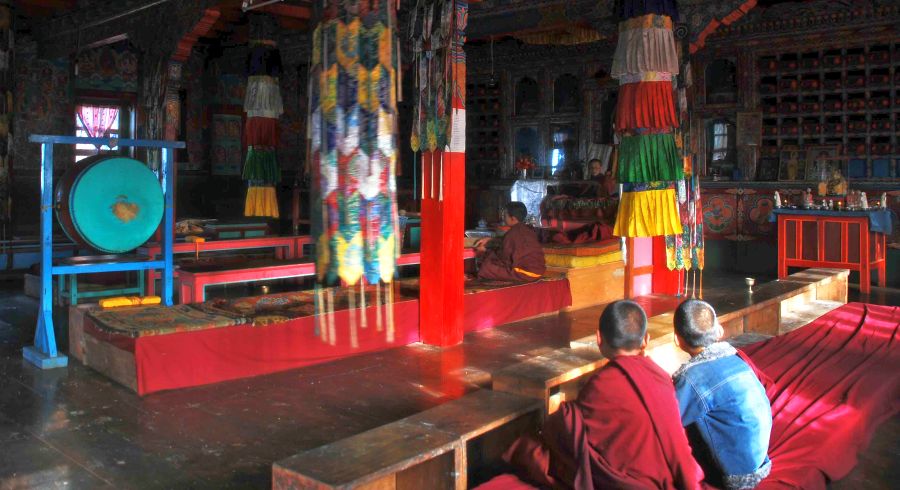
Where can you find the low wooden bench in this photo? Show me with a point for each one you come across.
(194, 279)
(553, 377)
(285, 247)
(558, 375)
(451, 446)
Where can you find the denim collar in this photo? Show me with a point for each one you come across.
(712, 352)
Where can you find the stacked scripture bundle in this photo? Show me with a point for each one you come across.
(650, 164)
(353, 86)
(263, 106)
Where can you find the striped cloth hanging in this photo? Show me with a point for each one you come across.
(263, 106)
(352, 142)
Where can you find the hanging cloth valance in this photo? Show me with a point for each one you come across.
(649, 105)
(261, 201)
(261, 165)
(636, 8)
(261, 131)
(263, 97)
(263, 106)
(649, 158)
(643, 50)
(648, 213)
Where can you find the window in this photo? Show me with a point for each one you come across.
(720, 142)
(97, 121)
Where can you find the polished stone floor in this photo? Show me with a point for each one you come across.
(73, 428)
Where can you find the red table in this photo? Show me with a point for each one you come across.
(838, 239)
(193, 284)
(286, 247)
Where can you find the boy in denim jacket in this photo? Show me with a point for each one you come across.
(723, 405)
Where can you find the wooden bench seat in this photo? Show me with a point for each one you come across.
(553, 377)
(557, 376)
(451, 446)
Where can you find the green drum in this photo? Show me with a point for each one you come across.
(109, 203)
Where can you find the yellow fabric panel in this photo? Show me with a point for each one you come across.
(648, 214)
(120, 301)
(574, 261)
(387, 256)
(349, 253)
(261, 201)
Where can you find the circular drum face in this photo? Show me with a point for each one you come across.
(111, 204)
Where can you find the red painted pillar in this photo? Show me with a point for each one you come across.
(443, 229)
(665, 281)
(441, 272)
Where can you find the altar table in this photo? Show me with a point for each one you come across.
(854, 240)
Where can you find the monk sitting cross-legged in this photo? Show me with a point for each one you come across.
(518, 257)
(624, 429)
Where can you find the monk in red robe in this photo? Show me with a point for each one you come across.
(624, 430)
(518, 257)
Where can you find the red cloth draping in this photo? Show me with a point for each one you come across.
(261, 131)
(494, 307)
(646, 105)
(180, 360)
(183, 359)
(831, 384)
(623, 431)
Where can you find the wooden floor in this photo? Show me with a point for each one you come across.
(73, 428)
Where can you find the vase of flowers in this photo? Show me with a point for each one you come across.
(524, 164)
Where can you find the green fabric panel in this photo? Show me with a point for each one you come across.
(261, 167)
(649, 158)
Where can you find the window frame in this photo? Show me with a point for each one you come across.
(125, 124)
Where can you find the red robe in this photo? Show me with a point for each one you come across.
(623, 431)
(520, 257)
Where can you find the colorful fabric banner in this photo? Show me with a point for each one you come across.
(649, 160)
(353, 85)
(263, 105)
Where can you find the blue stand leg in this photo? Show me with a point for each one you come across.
(44, 354)
(168, 164)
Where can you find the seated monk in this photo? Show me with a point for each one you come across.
(518, 257)
(623, 431)
(723, 405)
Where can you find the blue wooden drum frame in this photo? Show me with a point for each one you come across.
(44, 353)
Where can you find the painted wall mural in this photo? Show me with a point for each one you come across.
(112, 68)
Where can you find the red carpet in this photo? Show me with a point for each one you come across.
(831, 384)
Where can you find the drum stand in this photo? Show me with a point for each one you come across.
(44, 353)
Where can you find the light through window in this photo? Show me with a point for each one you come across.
(102, 121)
(720, 142)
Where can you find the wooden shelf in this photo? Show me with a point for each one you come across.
(856, 63)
